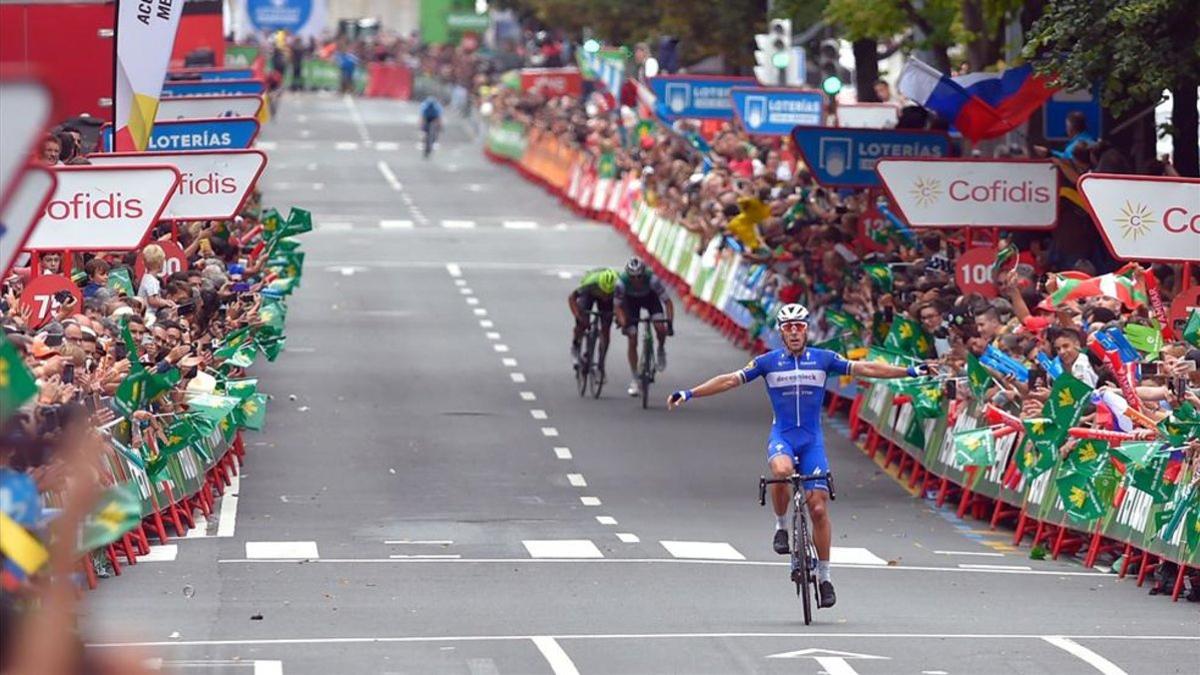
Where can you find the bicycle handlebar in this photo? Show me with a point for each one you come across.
(796, 480)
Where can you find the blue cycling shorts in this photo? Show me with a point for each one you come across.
(806, 450)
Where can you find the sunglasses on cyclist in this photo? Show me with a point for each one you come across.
(792, 327)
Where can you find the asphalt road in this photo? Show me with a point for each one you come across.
(438, 499)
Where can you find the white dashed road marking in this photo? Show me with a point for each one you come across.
(854, 556)
(509, 362)
(454, 270)
(519, 378)
(576, 479)
(562, 548)
(520, 225)
(346, 145)
(628, 538)
(396, 224)
(336, 227)
(546, 431)
(528, 396)
(708, 550)
(281, 550)
(458, 224)
(606, 520)
(165, 553)
(538, 414)
(389, 175)
(590, 501)
(562, 453)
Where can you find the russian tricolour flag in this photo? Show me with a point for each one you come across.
(980, 105)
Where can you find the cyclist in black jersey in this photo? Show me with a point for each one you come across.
(638, 289)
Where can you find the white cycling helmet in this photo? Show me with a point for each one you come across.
(791, 312)
(635, 267)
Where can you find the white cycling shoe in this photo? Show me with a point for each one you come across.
(634, 388)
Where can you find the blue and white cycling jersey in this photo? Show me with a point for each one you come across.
(796, 387)
(430, 110)
(796, 384)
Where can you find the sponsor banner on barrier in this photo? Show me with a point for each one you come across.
(1144, 217)
(507, 139)
(229, 133)
(213, 184)
(25, 107)
(697, 96)
(551, 82)
(22, 211)
(867, 115)
(209, 74)
(103, 208)
(1013, 194)
(179, 89)
(847, 157)
(773, 111)
(207, 107)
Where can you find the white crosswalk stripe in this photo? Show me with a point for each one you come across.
(396, 224)
(706, 550)
(346, 145)
(387, 146)
(520, 225)
(562, 548)
(458, 224)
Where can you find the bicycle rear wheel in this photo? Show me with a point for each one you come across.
(581, 374)
(801, 573)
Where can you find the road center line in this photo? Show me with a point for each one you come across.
(454, 269)
(357, 117)
(560, 663)
(389, 175)
(1090, 657)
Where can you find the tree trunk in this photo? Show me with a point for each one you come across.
(1185, 120)
(866, 69)
(981, 51)
(941, 58)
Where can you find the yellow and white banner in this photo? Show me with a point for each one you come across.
(145, 35)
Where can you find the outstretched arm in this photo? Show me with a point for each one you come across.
(715, 385)
(885, 370)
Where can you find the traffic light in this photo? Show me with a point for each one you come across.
(773, 57)
(830, 71)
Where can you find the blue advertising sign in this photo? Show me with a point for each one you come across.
(230, 133)
(214, 88)
(1063, 103)
(696, 96)
(775, 112)
(209, 74)
(273, 15)
(846, 157)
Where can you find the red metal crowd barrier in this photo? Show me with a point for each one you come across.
(388, 80)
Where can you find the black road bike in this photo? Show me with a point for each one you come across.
(804, 552)
(589, 369)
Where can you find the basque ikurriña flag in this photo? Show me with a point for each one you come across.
(980, 105)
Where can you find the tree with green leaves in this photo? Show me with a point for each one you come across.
(1135, 49)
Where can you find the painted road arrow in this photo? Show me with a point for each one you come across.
(833, 662)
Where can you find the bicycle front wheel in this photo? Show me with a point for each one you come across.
(595, 375)
(801, 572)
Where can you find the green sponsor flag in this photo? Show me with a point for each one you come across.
(906, 337)
(1191, 330)
(978, 377)
(915, 436)
(118, 511)
(242, 357)
(183, 433)
(1067, 398)
(1191, 533)
(1080, 496)
(976, 447)
(1149, 479)
(1088, 457)
(1040, 452)
(1175, 512)
(883, 355)
(298, 221)
(16, 382)
(1182, 425)
(284, 286)
(844, 320)
(1146, 339)
(606, 166)
(241, 389)
(755, 308)
(252, 412)
(131, 393)
(837, 345)
(211, 409)
(1006, 261)
(160, 383)
(271, 220)
(134, 458)
(927, 402)
(1136, 454)
(880, 275)
(119, 281)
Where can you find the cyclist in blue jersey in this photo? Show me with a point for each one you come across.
(431, 122)
(795, 380)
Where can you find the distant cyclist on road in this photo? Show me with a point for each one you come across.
(431, 122)
(795, 379)
(595, 290)
(639, 289)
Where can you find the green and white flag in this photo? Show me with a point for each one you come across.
(118, 511)
(16, 382)
(976, 447)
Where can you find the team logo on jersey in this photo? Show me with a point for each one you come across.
(796, 378)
